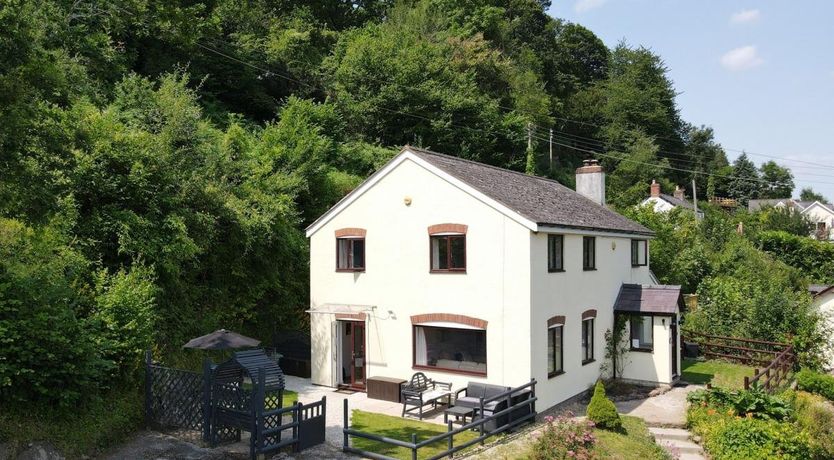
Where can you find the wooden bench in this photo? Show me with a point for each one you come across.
(421, 391)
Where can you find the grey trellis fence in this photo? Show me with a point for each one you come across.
(216, 410)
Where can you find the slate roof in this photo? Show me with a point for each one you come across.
(677, 202)
(543, 201)
(755, 205)
(639, 298)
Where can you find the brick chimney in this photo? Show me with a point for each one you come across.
(590, 181)
(679, 192)
(655, 189)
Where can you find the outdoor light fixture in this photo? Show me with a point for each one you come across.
(407, 201)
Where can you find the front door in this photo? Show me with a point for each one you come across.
(355, 338)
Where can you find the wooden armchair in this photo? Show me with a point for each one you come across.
(421, 391)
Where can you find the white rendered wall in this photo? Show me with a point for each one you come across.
(817, 213)
(569, 293)
(825, 305)
(495, 288)
(654, 366)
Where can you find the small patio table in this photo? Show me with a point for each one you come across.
(458, 412)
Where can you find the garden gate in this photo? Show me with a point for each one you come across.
(218, 404)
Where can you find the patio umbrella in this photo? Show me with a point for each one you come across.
(222, 340)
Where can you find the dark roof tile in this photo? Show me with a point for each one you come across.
(638, 298)
(543, 201)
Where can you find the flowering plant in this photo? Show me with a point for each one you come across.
(564, 437)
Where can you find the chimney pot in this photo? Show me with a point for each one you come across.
(679, 192)
(655, 189)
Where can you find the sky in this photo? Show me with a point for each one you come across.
(760, 73)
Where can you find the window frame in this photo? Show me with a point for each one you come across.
(631, 333)
(586, 359)
(585, 251)
(422, 367)
(635, 253)
(551, 238)
(448, 237)
(560, 369)
(350, 267)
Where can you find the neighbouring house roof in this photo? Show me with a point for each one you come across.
(755, 205)
(543, 201)
(639, 298)
(676, 201)
(530, 200)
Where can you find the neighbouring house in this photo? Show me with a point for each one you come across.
(821, 214)
(823, 301)
(469, 272)
(665, 203)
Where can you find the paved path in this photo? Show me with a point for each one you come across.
(666, 410)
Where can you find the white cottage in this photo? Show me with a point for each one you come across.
(468, 272)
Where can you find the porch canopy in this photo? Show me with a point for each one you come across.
(335, 308)
(649, 299)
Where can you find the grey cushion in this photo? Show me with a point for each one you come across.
(468, 401)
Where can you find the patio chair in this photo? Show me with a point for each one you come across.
(421, 391)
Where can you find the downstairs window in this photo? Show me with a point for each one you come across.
(450, 349)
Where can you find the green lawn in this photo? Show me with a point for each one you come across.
(718, 373)
(636, 443)
(401, 429)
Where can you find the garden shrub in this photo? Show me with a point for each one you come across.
(814, 382)
(563, 438)
(815, 415)
(602, 411)
(747, 438)
(754, 402)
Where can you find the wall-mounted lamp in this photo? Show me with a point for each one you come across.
(407, 201)
(613, 245)
(663, 321)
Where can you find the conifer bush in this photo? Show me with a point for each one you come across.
(602, 410)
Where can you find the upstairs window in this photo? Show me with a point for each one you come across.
(589, 253)
(642, 334)
(639, 253)
(448, 253)
(350, 254)
(555, 251)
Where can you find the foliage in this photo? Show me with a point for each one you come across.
(808, 194)
(564, 437)
(616, 347)
(729, 434)
(815, 382)
(814, 415)
(784, 220)
(88, 429)
(754, 402)
(777, 181)
(814, 258)
(602, 410)
(745, 183)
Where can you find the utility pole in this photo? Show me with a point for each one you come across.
(551, 150)
(529, 135)
(695, 198)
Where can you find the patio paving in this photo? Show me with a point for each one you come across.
(307, 392)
